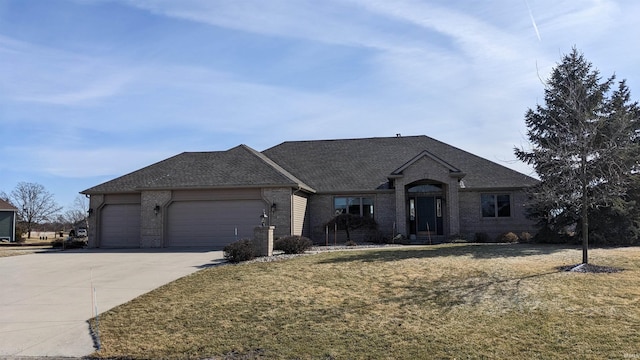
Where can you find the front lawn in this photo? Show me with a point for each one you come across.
(447, 301)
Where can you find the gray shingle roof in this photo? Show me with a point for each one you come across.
(366, 164)
(240, 166)
(320, 165)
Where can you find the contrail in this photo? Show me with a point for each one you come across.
(533, 21)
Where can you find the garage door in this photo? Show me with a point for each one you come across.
(6, 225)
(120, 226)
(212, 223)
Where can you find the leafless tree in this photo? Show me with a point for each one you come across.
(78, 211)
(35, 204)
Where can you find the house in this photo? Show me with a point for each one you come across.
(415, 186)
(7, 221)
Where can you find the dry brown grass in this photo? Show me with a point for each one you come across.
(28, 246)
(448, 301)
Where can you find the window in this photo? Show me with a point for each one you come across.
(496, 205)
(426, 188)
(360, 206)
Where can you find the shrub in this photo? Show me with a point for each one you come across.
(457, 238)
(401, 239)
(238, 251)
(525, 237)
(68, 244)
(376, 237)
(351, 243)
(547, 235)
(482, 237)
(350, 222)
(507, 237)
(292, 244)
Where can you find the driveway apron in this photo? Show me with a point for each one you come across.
(47, 298)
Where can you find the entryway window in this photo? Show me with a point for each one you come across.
(426, 188)
(361, 206)
(496, 205)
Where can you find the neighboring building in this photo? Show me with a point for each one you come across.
(415, 186)
(7, 221)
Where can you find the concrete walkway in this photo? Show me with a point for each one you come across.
(47, 298)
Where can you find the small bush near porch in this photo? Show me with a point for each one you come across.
(446, 301)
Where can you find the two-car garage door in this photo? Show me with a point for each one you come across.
(213, 223)
(209, 219)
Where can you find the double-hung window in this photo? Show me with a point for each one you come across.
(495, 205)
(360, 206)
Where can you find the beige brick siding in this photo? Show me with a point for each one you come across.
(281, 217)
(151, 229)
(472, 222)
(321, 208)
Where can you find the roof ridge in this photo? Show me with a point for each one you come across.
(352, 139)
(276, 167)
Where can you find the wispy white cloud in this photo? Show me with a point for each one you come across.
(85, 93)
(35, 73)
(70, 162)
(585, 18)
(331, 21)
(474, 37)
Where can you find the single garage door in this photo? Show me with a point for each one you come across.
(212, 223)
(6, 225)
(120, 226)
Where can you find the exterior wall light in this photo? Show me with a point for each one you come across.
(273, 207)
(263, 217)
(90, 211)
(156, 209)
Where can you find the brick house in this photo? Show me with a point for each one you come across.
(414, 186)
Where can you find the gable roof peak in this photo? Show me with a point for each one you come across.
(425, 153)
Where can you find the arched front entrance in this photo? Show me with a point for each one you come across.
(425, 207)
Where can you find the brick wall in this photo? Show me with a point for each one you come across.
(471, 220)
(281, 217)
(151, 224)
(321, 209)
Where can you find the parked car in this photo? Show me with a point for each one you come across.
(82, 233)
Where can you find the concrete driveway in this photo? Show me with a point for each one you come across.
(47, 298)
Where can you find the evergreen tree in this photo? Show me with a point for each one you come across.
(584, 148)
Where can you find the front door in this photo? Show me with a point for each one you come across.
(425, 216)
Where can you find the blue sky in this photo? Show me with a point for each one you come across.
(91, 90)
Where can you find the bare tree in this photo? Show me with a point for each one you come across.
(78, 211)
(35, 204)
